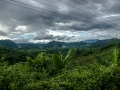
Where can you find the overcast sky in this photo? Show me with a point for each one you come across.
(61, 20)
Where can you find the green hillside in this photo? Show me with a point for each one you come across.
(85, 69)
(8, 44)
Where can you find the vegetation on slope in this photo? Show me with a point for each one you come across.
(89, 69)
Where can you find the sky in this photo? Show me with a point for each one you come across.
(25, 21)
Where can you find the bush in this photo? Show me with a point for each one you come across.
(41, 62)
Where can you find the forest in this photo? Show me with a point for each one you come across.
(60, 69)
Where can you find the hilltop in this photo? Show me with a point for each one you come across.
(56, 44)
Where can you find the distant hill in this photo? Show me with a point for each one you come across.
(13, 45)
(75, 44)
(8, 44)
(99, 43)
(56, 44)
(83, 44)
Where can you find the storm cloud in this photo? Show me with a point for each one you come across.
(62, 20)
(2, 33)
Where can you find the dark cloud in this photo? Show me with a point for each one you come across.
(44, 37)
(21, 41)
(76, 15)
(50, 37)
(2, 33)
(61, 37)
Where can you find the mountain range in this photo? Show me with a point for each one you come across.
(55, 44)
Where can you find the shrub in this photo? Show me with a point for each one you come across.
(40, 62)
(58, 60)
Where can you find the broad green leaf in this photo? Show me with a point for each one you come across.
(67, 56)
(58, 63)
(29, 60)
(60, 55)
(116, 54)
(40, 56)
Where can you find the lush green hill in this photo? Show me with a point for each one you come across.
(8, 44)
(56, 44)
(87, 69)
(82, 44)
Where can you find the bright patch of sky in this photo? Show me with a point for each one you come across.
(64, 24)
(108, 16)
(14, 37)
(29, 35)
(82, 33)
(39, 41)
(4, 37)
(75, 36)
(24, 36)
(4, 28)
(63, 33)
(15, 33)
(21, 28)
(13, 20)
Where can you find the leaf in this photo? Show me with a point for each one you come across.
(60, 55)
(6, 64)
(103, 61)
(40, 56)
(67, 56)
(116, 54)
(29, 60)
(58, 63)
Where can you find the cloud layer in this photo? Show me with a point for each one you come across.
(62, 20)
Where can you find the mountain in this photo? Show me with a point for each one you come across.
(100, 43)
(75, 44)
(12, 45)
(55, 44)
(8, 44)
(83, 44)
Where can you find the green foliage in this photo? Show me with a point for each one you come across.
(115, 52)
(60, 63)
(92, 77)
(68, 56)
(38, 73)
(40, 62)
(115, 55)
(8, 44)
(57, 61)
(103, 61)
